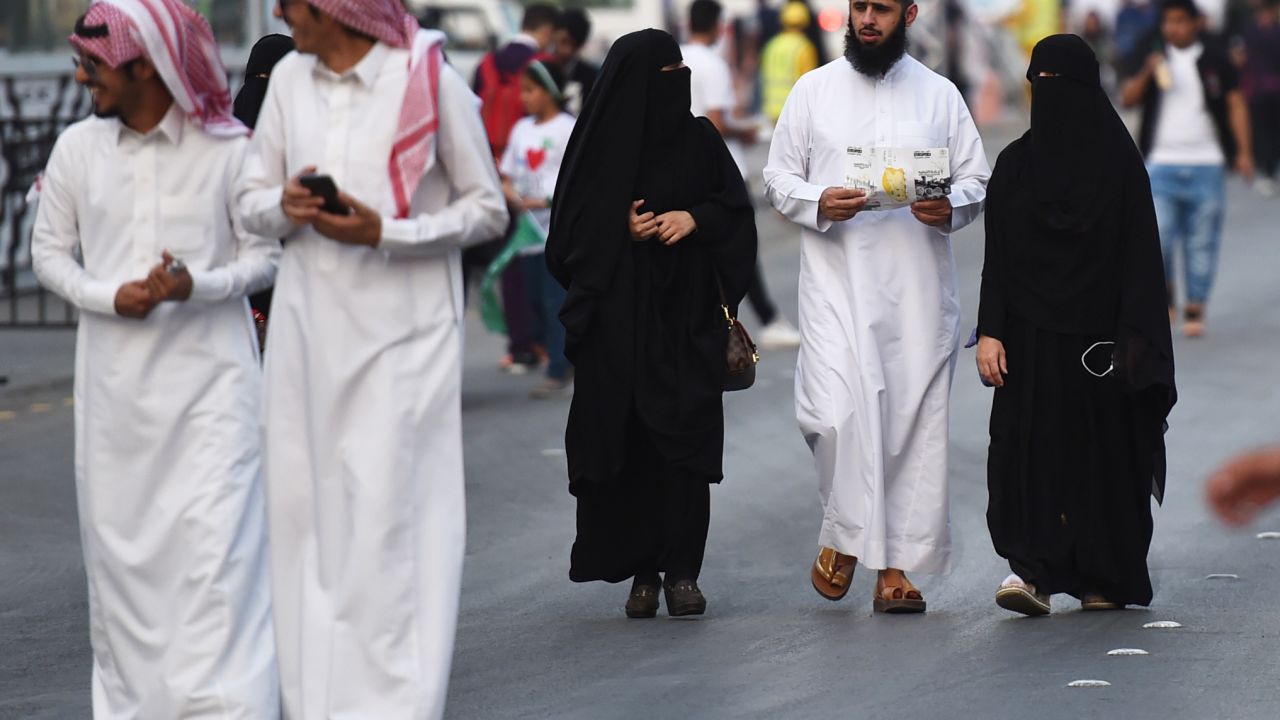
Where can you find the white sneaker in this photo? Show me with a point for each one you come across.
(1266, 187)
(779, 334)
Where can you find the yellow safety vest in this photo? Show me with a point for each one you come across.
(787, 56)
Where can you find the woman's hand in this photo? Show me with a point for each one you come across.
(992, 365)
(643, 227)
(675, 226)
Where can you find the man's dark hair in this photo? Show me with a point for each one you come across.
(576, 23)
(538, 16)
(1187, 6)
(704, 16)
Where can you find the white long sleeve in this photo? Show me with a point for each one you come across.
(478, 211)
(786, 175)
(56, 238)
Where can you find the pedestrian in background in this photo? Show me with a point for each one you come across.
(257, 73)
(529, 168)
(136, 229)
(1261, 84)
(1194, 122)
(652, 233)
(788, 55)
(497, 83)
(712, 96)
(879, 312)
(573, 27)
(364, 466)
(1074, 337)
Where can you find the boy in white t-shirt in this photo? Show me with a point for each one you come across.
(529, 168)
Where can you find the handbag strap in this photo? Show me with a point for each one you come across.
(724, 301)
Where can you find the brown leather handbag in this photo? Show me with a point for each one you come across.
(741, 355)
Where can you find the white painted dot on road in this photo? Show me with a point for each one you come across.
(1162, 625)
(553, 452)
(1088, 684)
(41, 407)
(7, 414)
(1124, 652)
(1222, 576)
(1269, 535)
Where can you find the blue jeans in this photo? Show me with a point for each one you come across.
(1190, 202)
(545, 298)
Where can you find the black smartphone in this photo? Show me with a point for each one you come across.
(324, 187)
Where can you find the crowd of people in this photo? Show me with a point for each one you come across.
(287, 537)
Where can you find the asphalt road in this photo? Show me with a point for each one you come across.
(533, 645)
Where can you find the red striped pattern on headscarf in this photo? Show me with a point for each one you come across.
(180, 43)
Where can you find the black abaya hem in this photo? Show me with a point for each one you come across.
(1070, 470)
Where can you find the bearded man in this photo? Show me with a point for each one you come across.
(879, 311)
(363, 451)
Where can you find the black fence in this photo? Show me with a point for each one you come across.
(32, 114)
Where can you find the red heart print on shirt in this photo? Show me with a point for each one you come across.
(535, 157)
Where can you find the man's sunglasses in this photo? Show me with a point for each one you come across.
(89, 64)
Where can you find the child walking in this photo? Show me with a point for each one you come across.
(529, 168)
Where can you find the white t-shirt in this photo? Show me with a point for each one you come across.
(532, 160)
(1184, 130)
(712, 89)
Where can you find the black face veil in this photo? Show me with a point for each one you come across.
(1075, 135)
(632, 100)
(262, 59)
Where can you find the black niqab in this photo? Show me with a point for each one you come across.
(643, 323)
(1073, 263)
(268, 51)
(1075, 135)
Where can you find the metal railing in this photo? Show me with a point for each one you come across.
(33, 111)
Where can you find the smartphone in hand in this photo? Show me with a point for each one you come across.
(322, 186)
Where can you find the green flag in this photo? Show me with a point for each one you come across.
(527, 234)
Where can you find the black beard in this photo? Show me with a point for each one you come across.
(876, 60)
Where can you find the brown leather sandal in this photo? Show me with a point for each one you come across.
(832, 573)
(896, 600)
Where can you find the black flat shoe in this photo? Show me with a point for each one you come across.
(684, 599)
(643, 602)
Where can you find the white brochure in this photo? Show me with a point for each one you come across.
(896, 177)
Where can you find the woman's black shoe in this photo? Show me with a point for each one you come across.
(643, 602)
(684, 598)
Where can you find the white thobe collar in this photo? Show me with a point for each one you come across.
(896, 73)
(366, 71)
(169, 128)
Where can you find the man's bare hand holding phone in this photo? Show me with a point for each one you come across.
(311, 199)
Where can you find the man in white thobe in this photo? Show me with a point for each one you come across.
(879, 312)
(363, 415)
(167, 379)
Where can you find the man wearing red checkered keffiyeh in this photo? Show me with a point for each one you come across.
(364, 465)
(135, 227)
(176, 41)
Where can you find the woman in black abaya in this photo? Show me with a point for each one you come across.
(649, 211)
(1074, 334)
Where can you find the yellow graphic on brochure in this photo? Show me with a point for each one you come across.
(894, 181)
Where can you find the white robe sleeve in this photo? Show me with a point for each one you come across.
(969, 168)
(786, 175)
(478, 211)
(256, 257)
(260, 186)
(56, 235)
